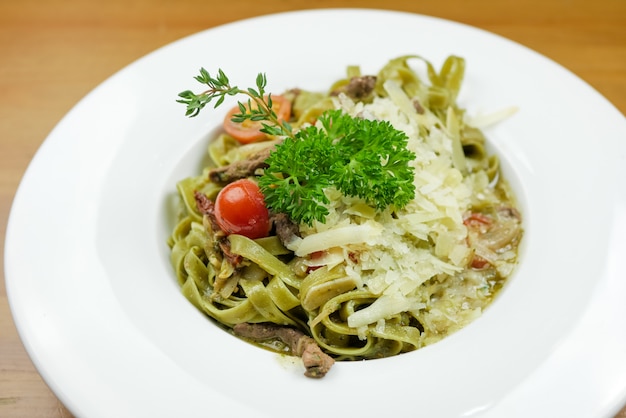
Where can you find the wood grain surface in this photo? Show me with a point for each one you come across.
(53, 52)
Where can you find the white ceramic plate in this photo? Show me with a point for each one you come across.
(98, 308)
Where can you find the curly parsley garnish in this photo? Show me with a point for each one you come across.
(362, 158)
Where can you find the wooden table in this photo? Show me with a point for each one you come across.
(53, 52)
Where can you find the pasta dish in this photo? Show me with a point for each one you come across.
(361, 222)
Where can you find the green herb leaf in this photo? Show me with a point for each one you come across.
(361, 158)
(297, 175)
(375, 163)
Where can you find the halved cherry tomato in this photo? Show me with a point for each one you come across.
(250, 131)
(240, 209)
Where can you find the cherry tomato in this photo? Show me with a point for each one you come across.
(240, 209)
(250, 131)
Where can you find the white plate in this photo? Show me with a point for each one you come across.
(99, 311)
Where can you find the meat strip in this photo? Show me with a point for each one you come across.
(285, 228)
(240, 169)
(207, 208)
(316, 362)
(358, 87)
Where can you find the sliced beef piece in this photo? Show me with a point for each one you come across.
(285, 228)
(207, 208)
(358, 88)
(316, 362)
(240, 169)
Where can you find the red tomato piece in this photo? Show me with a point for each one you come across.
(240, 209)
(479, 263)
(250, 131)
(477, 219)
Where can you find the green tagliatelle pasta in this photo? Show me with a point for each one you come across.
(397, 280)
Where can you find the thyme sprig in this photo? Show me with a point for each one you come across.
(258, 108)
